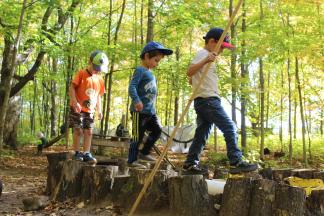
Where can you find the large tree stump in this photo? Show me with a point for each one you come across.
(279, 175)
(97, 182)
(189, 196)
(315, 203)
(263, 197)
(69, 184)
(319, 175)
(156, 196)
(290, 201)
(304, 173)
(54, 169)
(236, 197)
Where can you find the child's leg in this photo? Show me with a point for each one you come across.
(76, 123)
(155, 127)
(138, 129)
(201, 135)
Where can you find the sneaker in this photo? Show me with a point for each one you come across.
(87, 157)
(193, 169)
(146, 157)
(78, 156)
(242, 166)
(136, 164)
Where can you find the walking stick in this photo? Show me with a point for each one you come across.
(158, 163)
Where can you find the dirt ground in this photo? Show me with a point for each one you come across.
(24, 176)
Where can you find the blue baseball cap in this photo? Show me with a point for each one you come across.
(216, 33)
(99, 61)
(150, 46)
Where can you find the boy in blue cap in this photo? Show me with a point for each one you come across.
(143, 91)
(209, 110)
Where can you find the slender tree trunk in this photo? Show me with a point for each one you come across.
(268, 101)
(308, 126)
(261, 108)
(112, 67)
(281, 112)
(233, 65)
(53, 100)
(301, 111)
(322, 122)
(104, 120)
(176, 97)
(289, 112)
(215, 139)
(142, 18)
(6, 82)
(295, 117)
(244, 76)
(33, 109)
(150, 21)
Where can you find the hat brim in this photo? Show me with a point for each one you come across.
(228, 46)
(166, 51)
(100, 68)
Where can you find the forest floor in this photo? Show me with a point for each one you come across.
(24, 175)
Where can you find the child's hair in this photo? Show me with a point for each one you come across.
(152, 54)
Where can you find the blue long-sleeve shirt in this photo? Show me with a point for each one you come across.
(143, 88)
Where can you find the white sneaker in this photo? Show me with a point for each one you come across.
(136, 164)
(146, 157)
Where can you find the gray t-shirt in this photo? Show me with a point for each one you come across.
(209, 87)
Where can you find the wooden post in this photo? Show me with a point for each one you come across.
(157, 165)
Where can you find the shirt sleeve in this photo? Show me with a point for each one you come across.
(133, 86)
(77, 78)
(199, 56)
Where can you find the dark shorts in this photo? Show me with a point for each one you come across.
(82, 120)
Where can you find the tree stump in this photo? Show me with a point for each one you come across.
(279, 175)
(304, 173)
(156, 196)
(263, 198)
(289, 201)
(189, 196)
(315, 203)
(236, 197)
(54, 169)
(319, 175)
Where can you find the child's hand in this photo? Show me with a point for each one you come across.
(139, 106)
(77, 107)
(211, 57)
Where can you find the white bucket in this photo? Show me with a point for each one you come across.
(215, 186)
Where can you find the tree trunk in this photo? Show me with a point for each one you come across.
(189, 196)
(281, 113)
(268, 101)
(54, 100)
(150, 21)
(112, 67)
(301, 111)
(215, 139)
(6, 78)
(261, 108)
(295, 117)
(233, 65)
(244, 76)
(289, 111)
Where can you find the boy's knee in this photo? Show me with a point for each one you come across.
(88, 132)
(77, 131)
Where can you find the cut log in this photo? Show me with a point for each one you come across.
(279, 175)
(315, 203)
(263, 197)
(69, 184)
(289, 200)
(156, 196)
(319, 175)
(97, 182)
(189, 196)
(54, 169)
(304, 173)
(236, 197)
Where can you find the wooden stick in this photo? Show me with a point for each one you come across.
(158, 163)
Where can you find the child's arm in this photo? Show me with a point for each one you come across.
(132, 89)
(98, 108)
(194, 68)
(76, 106)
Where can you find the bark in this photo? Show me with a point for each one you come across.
(289, 111)
(150, 19)
(301, 111)
(54, 100)
(189, 196)
(112, 67)
(315, 203)
(233, 65)
(261, 108)
(6, 80)
(244, 76)
(281, 113)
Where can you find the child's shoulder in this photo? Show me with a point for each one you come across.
(141, 69)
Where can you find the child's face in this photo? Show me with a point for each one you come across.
(153, 62)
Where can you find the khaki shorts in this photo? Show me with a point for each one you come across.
(82, 120)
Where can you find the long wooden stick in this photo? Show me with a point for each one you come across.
(158, 163)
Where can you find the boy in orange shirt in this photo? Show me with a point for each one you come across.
(85, 92)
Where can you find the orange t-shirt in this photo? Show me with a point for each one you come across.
(87, 88)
